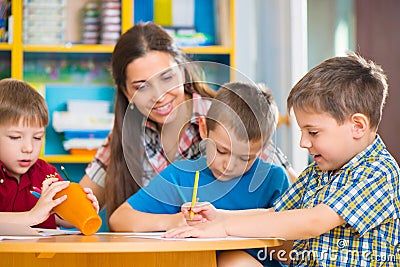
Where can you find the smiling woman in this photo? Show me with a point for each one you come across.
(162, 88)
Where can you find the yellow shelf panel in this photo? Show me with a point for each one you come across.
(215, 49)
(127, 15)
(109, 48)
(5, 47)
(67, 158)
(76, 48)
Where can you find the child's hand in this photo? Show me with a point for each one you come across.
(208, 229)
(203, 212)
(92, 198)
(175, 220)
(43, 208)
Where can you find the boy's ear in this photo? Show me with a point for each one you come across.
(360, 124)
(203, 127)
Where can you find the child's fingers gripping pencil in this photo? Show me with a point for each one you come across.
(194, 195)
(36, 189)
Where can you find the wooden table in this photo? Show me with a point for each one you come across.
(117, 250)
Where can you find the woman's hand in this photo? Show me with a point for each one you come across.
(92, 198)
(44, 207)
(203, 212)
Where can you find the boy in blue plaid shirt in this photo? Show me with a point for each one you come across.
(344, 209)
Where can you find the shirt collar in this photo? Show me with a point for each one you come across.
(24, 180)
(5, 171)
(372, 150)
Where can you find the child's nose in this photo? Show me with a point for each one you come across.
(27, 146)
(229, 164)
(304, 142)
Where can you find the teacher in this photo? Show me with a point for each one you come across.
(158, 101)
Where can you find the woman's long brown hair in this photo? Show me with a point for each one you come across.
(125, 170)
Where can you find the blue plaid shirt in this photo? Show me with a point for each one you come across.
(365, 193)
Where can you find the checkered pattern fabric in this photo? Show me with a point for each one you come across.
(96, 169)
(365, 193)
(272, 154)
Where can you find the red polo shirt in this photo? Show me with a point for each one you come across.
(16, 197)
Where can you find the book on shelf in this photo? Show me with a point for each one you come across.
(204, 17)
(183, 13)
(143, 11)
(222, 28)
(5, 13)
(209, 19)
(163, 12)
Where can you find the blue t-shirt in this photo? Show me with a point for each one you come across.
(259, 187)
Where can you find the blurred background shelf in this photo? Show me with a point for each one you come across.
(70, 48)
(5, 47)
(78, 65)
(214, 49)
(67, 158)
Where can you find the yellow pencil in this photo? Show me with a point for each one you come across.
(194, 195)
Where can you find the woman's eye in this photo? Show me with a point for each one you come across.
(221, 152)
(14, 137)
(38, 138)
(313, 133)
(245, 159)
(141, 87)
(167, 77)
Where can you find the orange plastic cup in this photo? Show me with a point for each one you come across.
(78, 210)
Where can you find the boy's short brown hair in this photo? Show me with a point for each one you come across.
(18, 100)
(248, 109)
(342, 86)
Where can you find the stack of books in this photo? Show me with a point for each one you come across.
(44, 22)
(91, 23)
(110, 21)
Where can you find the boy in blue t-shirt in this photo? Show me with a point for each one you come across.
(239, 123)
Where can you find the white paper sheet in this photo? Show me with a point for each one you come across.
(9, 230)
(50, 232)
(18, 237)
(158, 235)
(132, 234)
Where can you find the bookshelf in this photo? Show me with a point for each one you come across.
(17, 57)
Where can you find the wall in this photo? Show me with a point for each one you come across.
(278, 41)
(331, 29)
(378, 39)
(266, 32)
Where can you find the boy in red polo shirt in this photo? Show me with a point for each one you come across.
(23, 117)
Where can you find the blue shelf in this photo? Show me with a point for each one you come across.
(56, 96)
